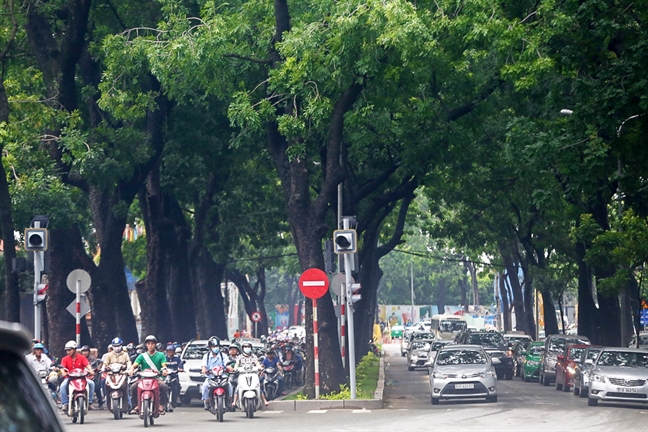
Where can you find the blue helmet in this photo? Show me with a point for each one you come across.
(39, 346)
(117, 341)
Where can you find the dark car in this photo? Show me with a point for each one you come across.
(567, 364)
(24, 406)
(554, 346)
(496, 347)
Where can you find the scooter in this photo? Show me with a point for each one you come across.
(270, 383)
(148, 396)
(289, 369)
(249, 390)
(172, 382)
(116, 387)
(78, 391)
(218, 392)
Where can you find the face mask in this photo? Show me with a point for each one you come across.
(215, 350)
(247, 350)
(117, 349)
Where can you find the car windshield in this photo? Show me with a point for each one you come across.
(643, 340)
(436, 346)
(621, 358)
(195, 351)
(486, 339)
(420, 345)
(575, 353)
(454, 326)
(535, 350)
(558, 344)
(516, 338)
(422, 335)
(458, 356)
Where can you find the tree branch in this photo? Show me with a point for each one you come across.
(467, 108)
(250, 59)
(396, 237)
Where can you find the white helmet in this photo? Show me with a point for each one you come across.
(70, 345)
(178, 350)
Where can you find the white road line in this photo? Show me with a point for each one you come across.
(272, 412)
(317, 411)
(362, 411)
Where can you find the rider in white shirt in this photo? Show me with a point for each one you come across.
(38, 360)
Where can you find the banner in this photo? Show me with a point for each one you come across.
(282, 317)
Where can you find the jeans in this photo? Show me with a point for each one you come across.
(64, 391)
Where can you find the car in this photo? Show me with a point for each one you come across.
(191, 379)
(396, 331)
(406, 343)
(619, 374)
(581, 377)
(417, 355)
(518, 353)
(24, 406)
(513, 338)
(643, 340)
(463, 372)
(297, 331)
(531, 363)
(494, 344)
(567, 364)
(555, 346)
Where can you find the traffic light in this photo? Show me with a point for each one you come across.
(42, 292)
(345, 241)
(36, 239)
(355, 292)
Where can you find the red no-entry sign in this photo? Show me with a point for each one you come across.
(313, 283)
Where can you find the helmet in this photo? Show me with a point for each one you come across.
(39, 346)
(213, 342)
(235, 345)
(159, 346)
(70, 345)
(178, 350)
(150, 338)
(85, 348)
(247, 345)
(130, 346)
(117, 341)
(170, 348)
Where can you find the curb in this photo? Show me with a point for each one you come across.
(307, 405)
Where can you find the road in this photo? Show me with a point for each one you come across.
(521, 407)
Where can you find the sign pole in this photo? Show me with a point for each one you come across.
(316, 350)
(347, 288)
(37, 308)
(78, 312)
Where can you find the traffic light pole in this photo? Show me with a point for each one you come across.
(37, 281)
(346, 301)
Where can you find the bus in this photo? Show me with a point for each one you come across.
(447, 327)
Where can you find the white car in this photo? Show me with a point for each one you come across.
(191, 379)
(463, 372)
(643, 340)
(619, 375)
(296, 331)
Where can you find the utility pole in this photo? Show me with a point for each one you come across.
(412, 288)
(347, 303)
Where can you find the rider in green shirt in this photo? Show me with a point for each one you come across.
(158, 359)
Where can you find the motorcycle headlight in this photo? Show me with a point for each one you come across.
(571, 370)
(439, 375)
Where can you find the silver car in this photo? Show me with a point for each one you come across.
(583, 369)
(619, 374)
(463, 372)
(417, 355)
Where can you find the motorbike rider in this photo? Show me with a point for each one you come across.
(272, 361)
(215, 357)
(174, 365)
(95, 364)
(156, 361)
(247, 358)
(37, 360)
(75, 360)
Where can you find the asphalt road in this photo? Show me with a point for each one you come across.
(521, 407)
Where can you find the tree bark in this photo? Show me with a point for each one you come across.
(210, 275)
(517, 300)
(504, 296)
(549, 310)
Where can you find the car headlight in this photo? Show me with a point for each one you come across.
(439, 375)
(598, 378)
(571, 370)
(486, 374)
(414, 357)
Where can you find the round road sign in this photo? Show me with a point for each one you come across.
(313, 283)
(256, 316)
(78, 275)
(338, 280)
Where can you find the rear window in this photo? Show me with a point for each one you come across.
(23, 404)
(486, 339)
(195, 351)
(459, 356)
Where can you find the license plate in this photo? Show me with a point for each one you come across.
(464, 386)
(626, 390)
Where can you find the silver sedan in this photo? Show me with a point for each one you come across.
(620, 375)
(463, 372)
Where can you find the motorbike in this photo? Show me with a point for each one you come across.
(374, 348)
(271, 383)
(49, 380)
(117, 389)
(148, 396)
(79, 394)
(172, 382)
(289, 373)
(249, 390)
(218, 392)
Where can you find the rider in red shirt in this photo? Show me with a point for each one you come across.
(70, 362)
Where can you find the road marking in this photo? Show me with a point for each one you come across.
(317, 411)
(313, 283)
(362, 411)
(273, 412)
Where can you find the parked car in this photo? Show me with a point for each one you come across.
(417, 355)
(463, 371)
(555, 346)
(619, 374)
(642, 338)
(494, 344)
(567, 364)
(531, 363)
(518, 353)
(24, 404)
(515, 337)
(397, 331)
(581, 377)
(406, 343)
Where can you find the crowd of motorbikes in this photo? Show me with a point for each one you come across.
(251, 385)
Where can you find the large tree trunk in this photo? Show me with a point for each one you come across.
(504, 296)
(521, 320)
(440, 295)
(550, 320)
(588, 314)
(210, 275)
(529, 302)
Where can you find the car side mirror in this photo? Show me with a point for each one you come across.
(560, 358)
(496, 361)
